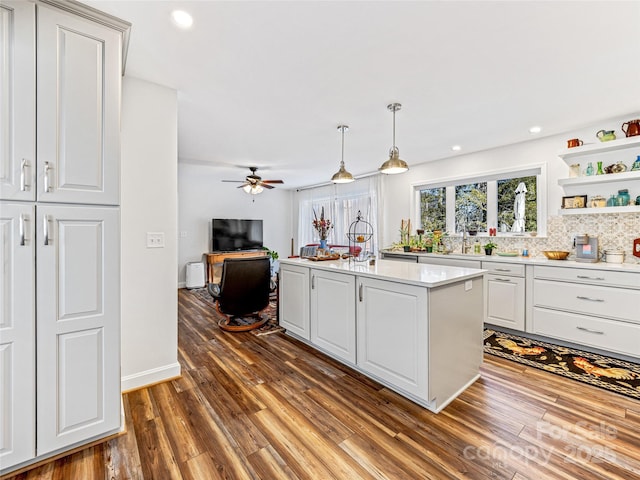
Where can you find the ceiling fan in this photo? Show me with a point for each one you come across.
(253, 183)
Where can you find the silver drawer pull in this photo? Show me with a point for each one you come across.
(24, 186)
(590, 299)
(502, 269)
(502, 280)
(583, 329)
(584, 277)
(21, 229)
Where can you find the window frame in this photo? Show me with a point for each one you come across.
(491, 177)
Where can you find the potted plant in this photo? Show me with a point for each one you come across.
(488, 248)
(273, 256)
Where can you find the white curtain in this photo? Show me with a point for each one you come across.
(341, 203)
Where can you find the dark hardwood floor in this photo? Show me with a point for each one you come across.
(270, 407)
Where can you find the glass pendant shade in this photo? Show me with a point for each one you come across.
(253, 189)
(342, 176)
(395, 164)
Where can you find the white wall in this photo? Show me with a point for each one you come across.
(398, 191)
(202, 196)
(148, 204)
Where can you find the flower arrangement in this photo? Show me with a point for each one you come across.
(322, 225)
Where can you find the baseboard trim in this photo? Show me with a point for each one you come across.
(150, 377)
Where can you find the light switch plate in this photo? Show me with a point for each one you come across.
(468, 285)
(155, 239)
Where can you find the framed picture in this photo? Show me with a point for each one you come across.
(578, 201)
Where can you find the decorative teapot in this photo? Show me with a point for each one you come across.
(606, 135)
(633, 128)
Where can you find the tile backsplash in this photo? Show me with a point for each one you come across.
(615, 231)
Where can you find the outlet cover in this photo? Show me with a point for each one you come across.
(155, 239)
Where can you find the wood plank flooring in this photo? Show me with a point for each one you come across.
(272, 408)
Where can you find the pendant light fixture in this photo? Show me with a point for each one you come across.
(342, 176)
(395, 164)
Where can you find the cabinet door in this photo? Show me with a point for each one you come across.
(17, 100)
(78, 115)
(393, 333)
(333, 313)
(294, 300)
(78, 324)
(505, 301)
(17, 334)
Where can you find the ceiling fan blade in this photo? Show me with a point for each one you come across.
(233, 181)
(266, 186)
(243, 185)
(272, 181)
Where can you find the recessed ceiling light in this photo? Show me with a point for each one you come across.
(456, 148)
(182, 19)
(535, 129)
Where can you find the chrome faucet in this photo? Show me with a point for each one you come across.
(465, 244)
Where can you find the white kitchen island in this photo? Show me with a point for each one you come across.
(415, 328)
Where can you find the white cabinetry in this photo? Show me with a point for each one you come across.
(18, 105)
(333, 314)
(597, 308)
(624, 150)
(393, 333)
(450, 262)
(17, 332)
(78, 324)
(505, 291)
(294, 299)
(60, 250)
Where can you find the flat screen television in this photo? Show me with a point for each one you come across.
(233, 234)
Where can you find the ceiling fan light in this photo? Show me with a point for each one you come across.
(254, 189)
(395, 164)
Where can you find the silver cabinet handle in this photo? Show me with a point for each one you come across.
(24, 164)
(21, 229)
(313, 282)
(502, 269)
(584, 277)
(45, 229)
(360, 293)
(47, 185)
(597, 332)
(590, 299)
(501, 280)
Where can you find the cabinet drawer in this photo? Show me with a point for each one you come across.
(610, 335)
(583, 275)
(450, 262)
(594, 300)
(504, 268)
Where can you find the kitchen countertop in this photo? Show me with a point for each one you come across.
(621, 267)
(420, 274)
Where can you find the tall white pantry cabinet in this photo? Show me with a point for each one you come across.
(59, 227)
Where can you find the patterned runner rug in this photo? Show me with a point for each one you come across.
(604, 372)
(270, 327)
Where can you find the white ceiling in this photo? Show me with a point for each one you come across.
(267, 83)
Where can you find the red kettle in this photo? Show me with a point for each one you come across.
(633, 128)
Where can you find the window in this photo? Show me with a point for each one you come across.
(471, 207)
(483, 202)
(506, 201)
(341, 206)
(433, 209)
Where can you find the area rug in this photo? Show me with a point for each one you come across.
(272, 311)
(604, 372)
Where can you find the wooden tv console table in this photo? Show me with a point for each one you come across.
(215, 260)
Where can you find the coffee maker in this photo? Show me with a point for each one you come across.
(586, 248)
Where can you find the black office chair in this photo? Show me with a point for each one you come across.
(243, 293)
